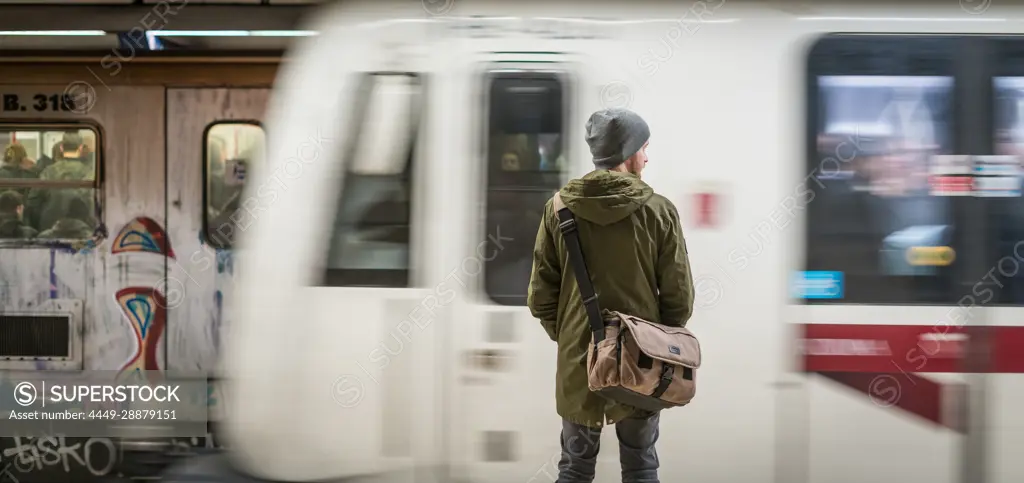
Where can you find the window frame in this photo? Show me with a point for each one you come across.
(96, 184)
(206, 238)
(893, 65)
(377, 278)
(565, 74)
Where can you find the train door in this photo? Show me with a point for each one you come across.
(506, 424)
(214, 135)
(997, 184)
(893, 249)
(376, 272)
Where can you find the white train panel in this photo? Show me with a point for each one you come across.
(728, 116)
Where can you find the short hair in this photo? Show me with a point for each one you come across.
(71, 141)
(14, 153)
(10, 201)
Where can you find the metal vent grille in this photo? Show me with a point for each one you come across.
(35, 336)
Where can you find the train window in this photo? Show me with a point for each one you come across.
(872, 217)
(526, 159)
(230, 147)
(383, 147)
(1005, 204)
(48, 182)
(370, 238)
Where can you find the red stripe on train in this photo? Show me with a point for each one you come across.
(879, 361)
(908, 348)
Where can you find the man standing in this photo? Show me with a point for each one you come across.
(633, 245)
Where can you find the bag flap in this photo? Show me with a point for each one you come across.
(674, 345)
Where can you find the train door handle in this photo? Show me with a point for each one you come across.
(488, 359)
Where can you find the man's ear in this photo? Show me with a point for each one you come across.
(634, 162)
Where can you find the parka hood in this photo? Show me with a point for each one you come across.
(605, 197)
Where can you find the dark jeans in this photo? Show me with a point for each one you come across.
(639, 460)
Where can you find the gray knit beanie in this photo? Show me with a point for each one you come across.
(614, 135)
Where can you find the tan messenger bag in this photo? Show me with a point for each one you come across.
(632, 361)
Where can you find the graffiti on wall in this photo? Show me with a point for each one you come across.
(146, 311)
(59, 458)
(225, 261)
(144, 307)
(142, 235)
(97, 456)
(144, 304)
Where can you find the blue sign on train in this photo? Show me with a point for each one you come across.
(818, 285)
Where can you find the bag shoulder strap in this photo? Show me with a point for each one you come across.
(567, 225)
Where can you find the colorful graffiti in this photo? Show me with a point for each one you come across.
(144, 307)
(142, 235)
(146, 311)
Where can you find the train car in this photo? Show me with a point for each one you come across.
(120, 176)
(856, 276)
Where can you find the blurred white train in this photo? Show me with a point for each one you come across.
(412, 147)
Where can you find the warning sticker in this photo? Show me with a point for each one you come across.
(951, 185)
(950, 176)
(817, 285)
(997, 176)
(982, 176)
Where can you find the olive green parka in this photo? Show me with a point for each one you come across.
(635, 252)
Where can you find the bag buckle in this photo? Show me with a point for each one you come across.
(567, 226)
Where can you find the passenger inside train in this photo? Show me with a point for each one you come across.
(12, 209)
(231, 148)
(76, 223)
(60, 166)
(17, 164)
(59, 196)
